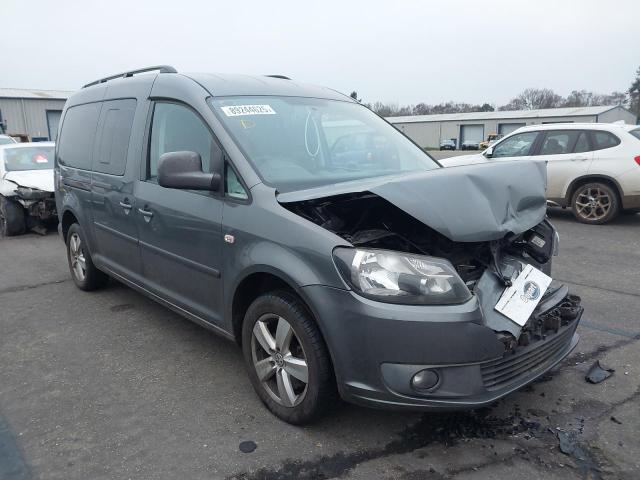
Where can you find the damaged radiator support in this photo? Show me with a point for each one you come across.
(548, 319)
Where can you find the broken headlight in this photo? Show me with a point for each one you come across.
(27, 193)
(398, 277)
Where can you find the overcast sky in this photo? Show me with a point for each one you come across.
(393, 51)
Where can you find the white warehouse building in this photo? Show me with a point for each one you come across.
(429, 130)
(31, 114)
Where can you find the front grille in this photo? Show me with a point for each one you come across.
(526, 361)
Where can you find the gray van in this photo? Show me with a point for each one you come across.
(293, 220)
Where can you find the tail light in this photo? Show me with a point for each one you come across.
(637, 159)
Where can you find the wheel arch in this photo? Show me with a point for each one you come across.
(254, 282)
(68, 218)
(589, 178)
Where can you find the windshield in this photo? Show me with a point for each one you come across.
(5, 140)
(297, 143)
(636, 133)
(28, 158)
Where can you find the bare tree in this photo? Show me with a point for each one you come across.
(584, 98)
(533, 99)
(634, 94)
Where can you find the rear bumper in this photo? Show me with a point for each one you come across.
(377, 349)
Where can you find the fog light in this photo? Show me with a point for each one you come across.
(425, 379)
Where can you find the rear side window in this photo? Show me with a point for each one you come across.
(78, 132)
(558, 142)
(116, 121)
(177, 128)
(602, 140)
(636, 133)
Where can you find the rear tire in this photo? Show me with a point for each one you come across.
(595, 203)
(281, 322)
(83, 272)
(12, 218)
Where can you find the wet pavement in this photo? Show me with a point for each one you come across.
(111, 385)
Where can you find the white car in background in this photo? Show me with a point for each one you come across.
(26, 187)
(7, 140)
(593, 168)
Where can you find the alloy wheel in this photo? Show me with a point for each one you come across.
(76, 253)
(593, 203)
(279, 360)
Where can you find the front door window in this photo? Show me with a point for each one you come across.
(516, 146)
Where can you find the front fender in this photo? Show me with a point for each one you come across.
(286, 264)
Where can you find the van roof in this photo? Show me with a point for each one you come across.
(226, 85)
(220, 85)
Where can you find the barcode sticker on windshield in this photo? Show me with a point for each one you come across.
(238, 110)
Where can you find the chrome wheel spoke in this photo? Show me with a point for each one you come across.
(264, 337)
(265, 369)
(279, 360)
(296, 367)
(284, 333)
(78, 261)
(285, 389)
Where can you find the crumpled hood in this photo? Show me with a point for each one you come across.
(473, 203)
(40, 179)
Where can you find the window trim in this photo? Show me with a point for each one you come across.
(145, 160)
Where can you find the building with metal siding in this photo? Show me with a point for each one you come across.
(429, 130)
(34, 113)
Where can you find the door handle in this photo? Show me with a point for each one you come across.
(147, 214)
(579, 159)
(127, 206)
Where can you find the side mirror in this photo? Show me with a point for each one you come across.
(184, 170)
(488, 152)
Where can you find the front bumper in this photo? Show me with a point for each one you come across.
(376, 349)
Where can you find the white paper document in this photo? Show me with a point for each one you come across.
(520, 299)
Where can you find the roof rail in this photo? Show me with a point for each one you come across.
(282, 77)
(131, 73)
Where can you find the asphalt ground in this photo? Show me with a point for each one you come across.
(110, 385)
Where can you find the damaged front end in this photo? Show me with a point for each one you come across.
(39, 204)
(429, 242)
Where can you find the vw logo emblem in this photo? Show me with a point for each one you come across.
(531, 291)
(279, 359)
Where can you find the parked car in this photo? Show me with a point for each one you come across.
(470, 145)
(26, 187)
(447, 145)
(219, 196)
(593, 168)
(6, 140)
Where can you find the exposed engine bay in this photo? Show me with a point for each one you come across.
(367, 220)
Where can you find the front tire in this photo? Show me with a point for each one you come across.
(595, 203)
(287, 359)
(83, 272)
(12, 218)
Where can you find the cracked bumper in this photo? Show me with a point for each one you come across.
(377, 348)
